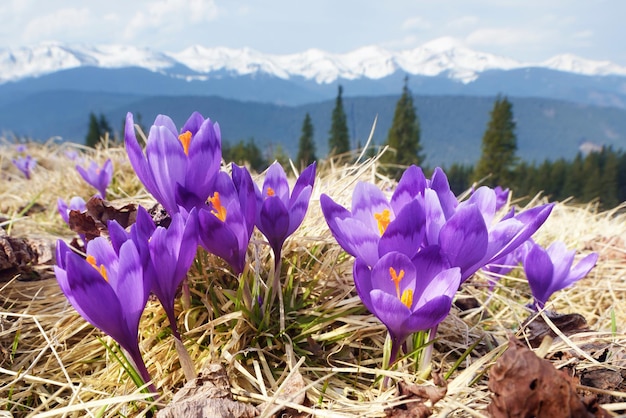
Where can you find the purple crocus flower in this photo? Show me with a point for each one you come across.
(172, 251)
(278, 214)
(227, 222)
(98, 177)
(76, 203)
(470, 239)
(375, 226)
(407, 295)
(108, 289)
(551, 269)
(177, 169)
(25, 165)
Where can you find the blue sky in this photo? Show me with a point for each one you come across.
(530, 30)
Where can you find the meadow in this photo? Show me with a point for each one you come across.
(329, 359)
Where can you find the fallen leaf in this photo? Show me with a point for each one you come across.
(524, 385)
(535, 327)
(417, 395)
(103, 212)
(208, 395)
(291, 390)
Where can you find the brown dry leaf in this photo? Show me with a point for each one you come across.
(535, 327)
(94, 221)
(418, 395)
(83, 224)
(18, 255)
(103, 212)
(291, 390)
(524, 385)
(208, 395)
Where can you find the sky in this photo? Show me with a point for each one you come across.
(528, 31)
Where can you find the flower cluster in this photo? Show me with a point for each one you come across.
(412, 250)
(208, 207)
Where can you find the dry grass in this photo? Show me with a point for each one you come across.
(52, 363)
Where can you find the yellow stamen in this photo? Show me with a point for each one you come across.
(102, 270)
(270, 191)
(407, 298)
(185, 139)
(218, 210)
(383, 220)
(397, 278)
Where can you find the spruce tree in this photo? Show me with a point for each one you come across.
(93, 133)
(339, 140)
(306, 146)
(499, 146)
(403, 138)
(98, 129)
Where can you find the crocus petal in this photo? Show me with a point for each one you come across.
(193, 123)
(411, 184)
(95, 300)
(435, 216)
(485, 199)
(132, 288)
(168, 163)
(138, 160)
(276, 180)
(205, 156)
(562, 260)
(305, 181)
(363, 282)
(439, 183)
(405, 233)
(298, 208)
(217, 238)
(357, 240)
(429, 314)
(354, 237)
(463, 239)
(539, 268)
(391, 312)
(583, 267)
(117, 235)
(367, 200)
(274, 222)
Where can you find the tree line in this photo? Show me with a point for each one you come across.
(599, 175)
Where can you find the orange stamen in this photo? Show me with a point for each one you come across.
(218, 210)
(185, 139)
(383, 220)
(270, 191)
(101, 269)
(397, 278)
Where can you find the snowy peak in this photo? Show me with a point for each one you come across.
(444, 56)
(573, 64)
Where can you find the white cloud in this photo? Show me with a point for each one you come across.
(462, 22)
(56, 24)
(171, 16)
(504, 37)
(416, 23)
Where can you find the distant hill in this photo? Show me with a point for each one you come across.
(452, 126)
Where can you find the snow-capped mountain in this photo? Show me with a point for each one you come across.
(441, 56)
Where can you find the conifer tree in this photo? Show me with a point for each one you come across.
(98, 128)
(403, 138)
(339, 140)
(306, 146)
(499, 146)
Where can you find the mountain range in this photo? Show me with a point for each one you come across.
(49, 89)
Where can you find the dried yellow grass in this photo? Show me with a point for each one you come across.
(52, 363)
